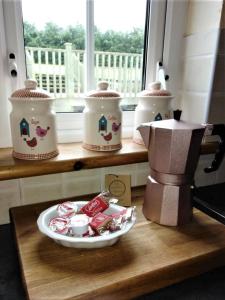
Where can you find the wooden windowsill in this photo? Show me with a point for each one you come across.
(74, 157)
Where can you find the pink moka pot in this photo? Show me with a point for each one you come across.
(174, 149)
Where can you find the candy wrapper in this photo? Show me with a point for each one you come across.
(59, 225)
(120, 219)
(125, 214)
(128, 213)
(90, 220)
(98, 204)
(117, 224)
(67, 209)
(101, 222)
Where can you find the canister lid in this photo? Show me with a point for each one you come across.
(103, 92)
(154, 89)
(30, 91)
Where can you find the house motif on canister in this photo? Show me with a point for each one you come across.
(24, 127)
(102, 124)
(158, 117)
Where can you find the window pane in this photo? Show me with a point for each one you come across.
(55, 47)
(119, 43)
(54, 43)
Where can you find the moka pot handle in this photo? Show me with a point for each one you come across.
(218, 129)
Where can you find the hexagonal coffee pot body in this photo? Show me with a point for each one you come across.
(167, 204)
(174, 146)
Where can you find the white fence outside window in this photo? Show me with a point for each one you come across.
(61, 71)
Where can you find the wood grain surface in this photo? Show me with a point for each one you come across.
(149, 257)
(74, 153)
(69, 155)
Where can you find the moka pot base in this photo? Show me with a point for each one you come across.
(167, 204)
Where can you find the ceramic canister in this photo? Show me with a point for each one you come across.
(102, 119)
(153, 105)
(33, 123)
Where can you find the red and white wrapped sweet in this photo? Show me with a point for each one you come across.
(118, 214)
(59, 225)
(97, 204)
(120, 219)
(67, 209)
(101, 222)
(127, 214)
(90, 219)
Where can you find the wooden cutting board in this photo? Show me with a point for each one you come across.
(149, 257)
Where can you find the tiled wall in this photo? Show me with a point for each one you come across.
(199, 59)
(203, 88)
(59, 186)
(217, 104)
(198, 63)
(203, 15)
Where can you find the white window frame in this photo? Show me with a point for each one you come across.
(5, 134)
(176, 19)
(69, 125)
(156, 25)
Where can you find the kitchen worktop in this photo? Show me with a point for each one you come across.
(148, 258)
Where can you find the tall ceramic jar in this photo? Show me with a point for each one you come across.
(33, 123)
(102, 119)
(153, 105)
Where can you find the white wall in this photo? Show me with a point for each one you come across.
(217, 104)
(199, 57)
(63, 185)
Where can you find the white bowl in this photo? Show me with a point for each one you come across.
(83, 242)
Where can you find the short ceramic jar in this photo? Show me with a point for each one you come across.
(102, 119)
(33, 123)
(153, 105)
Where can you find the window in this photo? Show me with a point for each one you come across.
(68, 56)
(104, 56)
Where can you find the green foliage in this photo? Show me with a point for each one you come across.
(127, 42)
(31, 35)
(53, 36)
